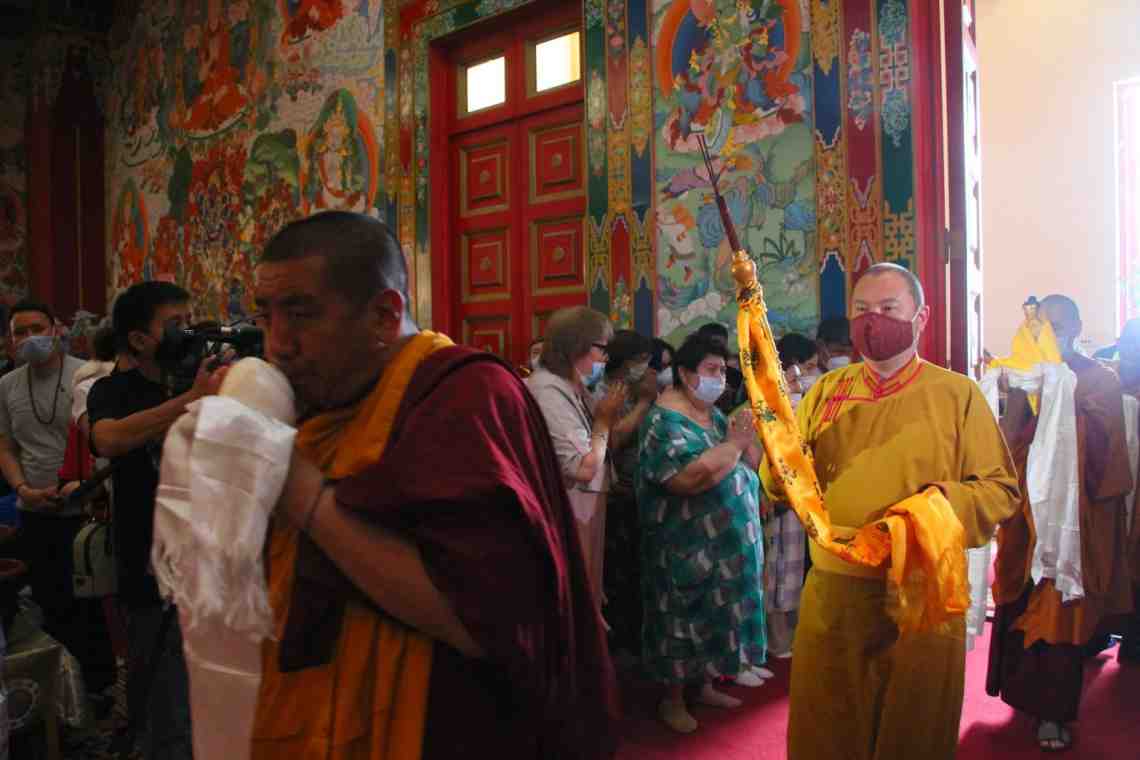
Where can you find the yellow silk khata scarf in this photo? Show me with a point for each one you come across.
(370, 702)
(1035, 343)
(920, 541)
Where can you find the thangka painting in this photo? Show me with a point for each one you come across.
(738, 72)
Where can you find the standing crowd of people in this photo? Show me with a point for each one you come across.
(460, 545)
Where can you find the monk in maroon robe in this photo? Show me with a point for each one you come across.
(1038, 648)
(430, 591)
(1128, 354)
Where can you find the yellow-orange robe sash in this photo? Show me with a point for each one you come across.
(370, 701)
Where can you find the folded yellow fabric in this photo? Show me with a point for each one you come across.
(920, 542)
(1034, 343)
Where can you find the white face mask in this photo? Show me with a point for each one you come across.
(808, 380)
(665, 378)
(795, 398)
(637, 371)
(836, 362)
(709, 389)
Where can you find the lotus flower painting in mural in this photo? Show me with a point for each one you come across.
(735, 76)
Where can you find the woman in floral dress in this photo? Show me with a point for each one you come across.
(702, 547)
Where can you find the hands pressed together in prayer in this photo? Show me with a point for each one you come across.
(609, 408)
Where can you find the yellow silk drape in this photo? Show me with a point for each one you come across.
(920, 543)
(1034, 343)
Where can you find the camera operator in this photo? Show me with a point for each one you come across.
(129, 413)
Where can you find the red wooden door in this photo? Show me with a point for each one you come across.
(510, 240)
(965, 185)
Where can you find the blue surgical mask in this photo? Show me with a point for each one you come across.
(709, 389)
(36, 349)
(595, 374)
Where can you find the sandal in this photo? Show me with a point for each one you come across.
(1053, 737)
(675, 715)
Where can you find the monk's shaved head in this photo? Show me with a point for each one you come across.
(885, 268)
(1065, 317)
(361, 254)
(1061, 306)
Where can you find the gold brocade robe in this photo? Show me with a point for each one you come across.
(858, 691)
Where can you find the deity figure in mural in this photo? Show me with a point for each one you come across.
(129, 235)
(217, 43)
(729, 74)
(138, 103)
(270, 188)
(340, 158)
(166, 257)
(302, 17)
(214, 210)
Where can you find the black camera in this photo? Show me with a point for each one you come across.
(183, 350)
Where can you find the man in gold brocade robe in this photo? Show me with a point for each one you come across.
(1040, 641)
(881, 431)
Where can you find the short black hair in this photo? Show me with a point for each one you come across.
(104, 344)
(625, 345)
(362, 255)
(794, 348)
(835, 330)
(27, 305)
(657, 355)
(135, 307)
(693, 351)
(714, 330)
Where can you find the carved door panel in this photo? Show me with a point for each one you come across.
(553, 216)
(487, 206)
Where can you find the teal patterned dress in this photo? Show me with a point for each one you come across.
(702, 557)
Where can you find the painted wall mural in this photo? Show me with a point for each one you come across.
(229, 118)
(738, 73)
(13, 171)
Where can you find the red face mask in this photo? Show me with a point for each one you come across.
(879, 337)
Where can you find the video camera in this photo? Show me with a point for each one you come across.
(183, 350)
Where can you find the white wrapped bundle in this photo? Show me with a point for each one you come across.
(224, 466)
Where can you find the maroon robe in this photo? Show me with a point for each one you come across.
(469, 473)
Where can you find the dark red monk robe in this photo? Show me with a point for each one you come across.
(470, 475)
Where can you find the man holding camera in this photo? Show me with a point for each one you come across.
(130, 412)
(35, 402)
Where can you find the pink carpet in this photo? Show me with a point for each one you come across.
(1109, 727)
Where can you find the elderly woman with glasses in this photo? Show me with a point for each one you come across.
(572, 363)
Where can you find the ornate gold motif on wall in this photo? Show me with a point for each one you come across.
(825, 33)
